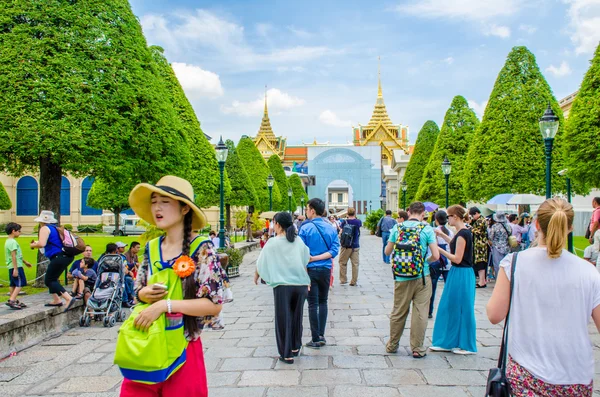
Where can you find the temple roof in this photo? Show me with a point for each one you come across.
(380, 112)
(265, 126)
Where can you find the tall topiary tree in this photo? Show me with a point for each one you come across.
(582, 135)
(242, 189)
(298, 188)
(419, 159)
(281, 181)
(5, 203)
(109, 197)
(258, 171)
(507, 154)
(453, 142)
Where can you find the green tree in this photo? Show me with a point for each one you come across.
(507, 154)
(204, 172)
(419, 159)
(258, 171)
(453, 142)
(281, 181)
(5, 203)
(582, 134)
(242, 189)
(109, 197)
(298, 188)
(80, 96)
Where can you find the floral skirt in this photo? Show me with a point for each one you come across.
(524, 384)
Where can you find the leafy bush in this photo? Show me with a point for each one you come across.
(372, 219)
(240, 221)
(68, 226)
(2, 227)
(236, 256)
(206, 229)
(151, 232)
(36, 228)
(89, 228)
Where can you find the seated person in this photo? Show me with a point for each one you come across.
(77, 263)
(590, 253)
(214, 238)
(85, 280)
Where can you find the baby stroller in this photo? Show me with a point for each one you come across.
(105, 302)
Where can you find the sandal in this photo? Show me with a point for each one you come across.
(419, 355)
(53, 304)
(13, 305)
(23, 306)
(70, 305)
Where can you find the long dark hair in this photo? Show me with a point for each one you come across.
(442, 218)
(189, 283)
(284, 220)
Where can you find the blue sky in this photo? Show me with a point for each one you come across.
(319, 59)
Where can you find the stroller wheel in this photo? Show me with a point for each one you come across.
(112, 321)
(88, 321)
(122, 316)
(106, 320)
(82, 321)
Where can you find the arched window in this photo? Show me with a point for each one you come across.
(86, 185)
(65, 197)
(27, 196)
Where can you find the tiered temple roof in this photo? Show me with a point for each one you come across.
(266, 141)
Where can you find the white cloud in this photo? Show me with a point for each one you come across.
(584, 25)
(197, 82)
(449, 60)
(284, 69)
(303, 34)
(496, 30)
(474, 10)
(527, 29)
(329, 118)
(276, 101)
(563, 70)
(263, 29)
(479, 108)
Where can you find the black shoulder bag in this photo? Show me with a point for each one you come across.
(497, 382)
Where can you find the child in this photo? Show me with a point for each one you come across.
(14, 263)
(85, 279)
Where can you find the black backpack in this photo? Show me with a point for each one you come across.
(347, 236)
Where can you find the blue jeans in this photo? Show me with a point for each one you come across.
(385, 236)
(317, 300)
(128, 294)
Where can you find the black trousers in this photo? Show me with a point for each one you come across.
(56, 267)
(320, 278)
(289, 307)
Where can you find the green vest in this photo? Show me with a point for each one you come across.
(155, 355)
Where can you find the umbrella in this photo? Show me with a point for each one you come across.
(500, 199)
(486, 211)
(526, 199)
(267, 215)
(430, 207)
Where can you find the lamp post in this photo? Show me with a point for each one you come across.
(549, 128)
(270, 182)
(404, 186)
(221, 150)
(302, 201)
(370, 206)
(290, 193)
(446, 169)
(570, 238)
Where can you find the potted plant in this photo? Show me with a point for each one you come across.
(234, 260)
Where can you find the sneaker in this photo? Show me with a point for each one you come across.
(322, 340)
(313, 345)
(462, 352)
(439, 349)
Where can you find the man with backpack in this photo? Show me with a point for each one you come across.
(385, 226)
(349, 241)
(407, 245)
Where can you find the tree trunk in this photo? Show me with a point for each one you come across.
(50, 181)
(228, 217)
(524, 208)
(117, 212)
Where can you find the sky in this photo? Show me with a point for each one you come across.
(319, 59)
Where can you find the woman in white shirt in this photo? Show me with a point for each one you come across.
(549, 349)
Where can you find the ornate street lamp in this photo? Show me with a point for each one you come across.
(549, 128)
(290, 194)
(564, 173)
(404, 187)
(222, 151)
(370, 206)
(270, 182)
(446, 169)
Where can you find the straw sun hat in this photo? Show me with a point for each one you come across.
(170, 186)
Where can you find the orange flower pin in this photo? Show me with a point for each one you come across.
(184, 266)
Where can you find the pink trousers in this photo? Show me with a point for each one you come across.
(188, 381)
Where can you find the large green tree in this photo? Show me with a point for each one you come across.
(109, 197)
(419, 159)
(298, 188)
(258, 171)
(507, 154)
(281, 181)
(242, 189)
(582, 135)
(452, 142)
(5, 203)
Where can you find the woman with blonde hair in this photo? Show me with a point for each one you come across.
(549, 348)
(455, 327)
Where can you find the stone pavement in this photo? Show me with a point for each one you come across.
(242, 359)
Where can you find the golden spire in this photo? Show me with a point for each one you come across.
(265, 125)
(380, 112)
(379, 93)
(266, 111)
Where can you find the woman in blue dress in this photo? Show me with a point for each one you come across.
(454, 328)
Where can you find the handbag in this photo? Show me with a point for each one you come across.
(497, 382)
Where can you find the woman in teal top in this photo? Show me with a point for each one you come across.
(282, 265)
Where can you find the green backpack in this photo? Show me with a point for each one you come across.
(153, 356)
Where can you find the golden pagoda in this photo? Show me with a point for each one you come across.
(381, 131)
(266, 141)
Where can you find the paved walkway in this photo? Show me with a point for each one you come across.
(241, 360)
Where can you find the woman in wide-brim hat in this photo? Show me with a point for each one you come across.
(50, 244)
(169, 205)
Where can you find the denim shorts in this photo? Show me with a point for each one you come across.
(20, 280)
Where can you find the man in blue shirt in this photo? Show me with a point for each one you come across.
(78, 263)
(386, 224)
(350, 252)
(324, 245)
(412, 290)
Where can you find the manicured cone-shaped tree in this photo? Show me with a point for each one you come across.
(582, 135)
(258, 171)
(298, 188)
(453, 142)
(204, 171)
(242, 189)
(5, 203)
(507, 154)
(419, 160)
(278, 173)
